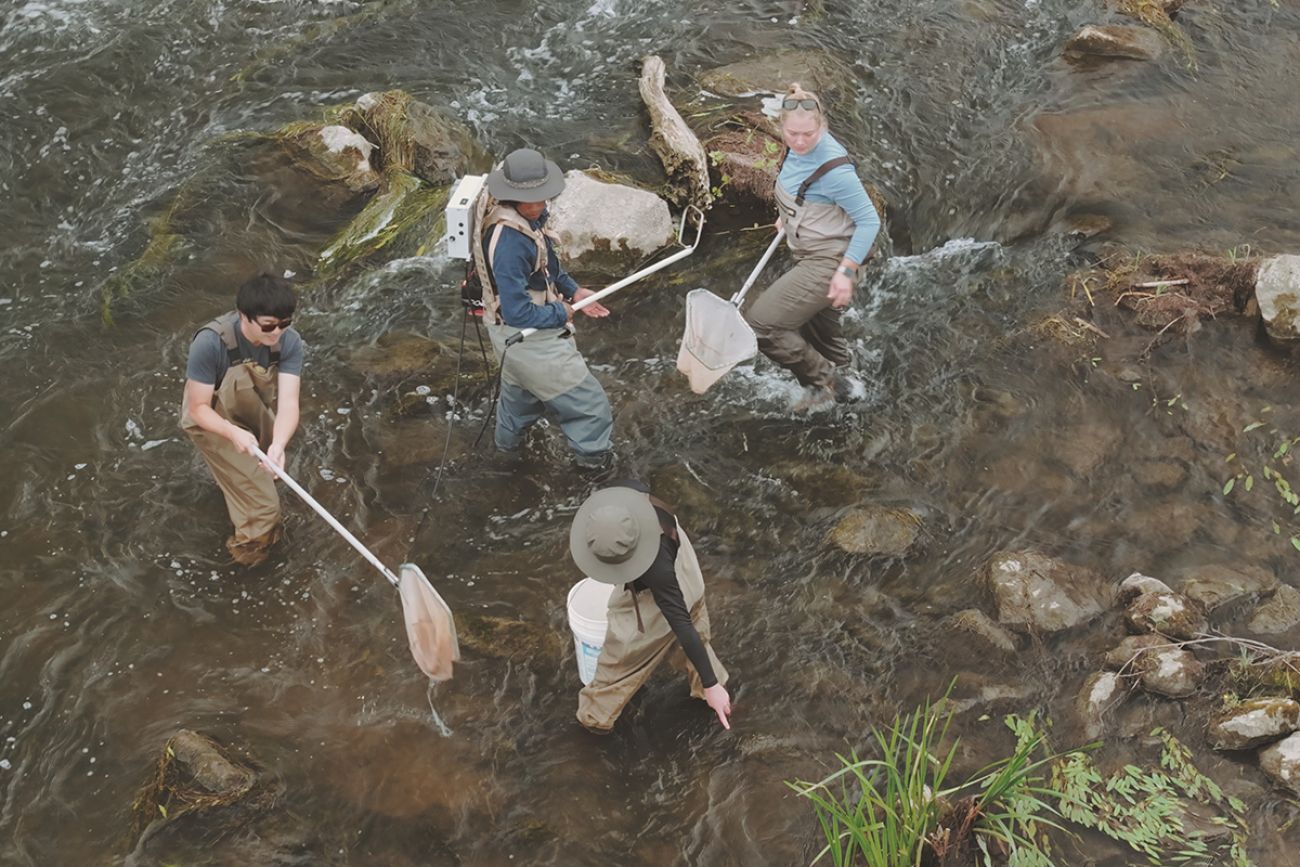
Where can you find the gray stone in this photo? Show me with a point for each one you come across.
(1281, 761)
(413, 136)
(1084, 448)
(608, 229)
(1037, 591)
(1130, 650)
(202, 761)
(1277, 291)
(1217, 585)
(1137, 584)
(876, 530)
(1160, 474)
(1279, 614)
(773, 73)
(1254, 722)
(981, 626)
(1114, 42)
(1167, 613)
(336, 154)
(1101, 692)
(1171, 672)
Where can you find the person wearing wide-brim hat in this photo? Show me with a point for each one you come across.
(525, 286)
(621, 535)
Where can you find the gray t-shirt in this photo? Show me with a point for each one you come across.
(209, 361)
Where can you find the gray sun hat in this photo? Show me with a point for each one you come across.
(525, 176)
(615, 535)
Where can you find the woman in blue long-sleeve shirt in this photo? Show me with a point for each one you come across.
(830, 226)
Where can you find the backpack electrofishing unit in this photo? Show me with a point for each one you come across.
(464, 213)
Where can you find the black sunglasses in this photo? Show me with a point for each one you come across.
(790, 103)
(279, 323)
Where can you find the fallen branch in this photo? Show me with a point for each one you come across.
(672, 140)
(1155, 284)
(1083, 323)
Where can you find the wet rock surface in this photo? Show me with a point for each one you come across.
(1101, 692)
(1167, 613)
(1162, 668)
(608, 229)
(1277, 291)
(1138, 584)
(1281, 761)
(1114, 42)
(1037, 591)
(773, 73)
(1280, 613)
(1217, 585)
(1254, 722)
(877, 530)
(987, 635)
(336, 154)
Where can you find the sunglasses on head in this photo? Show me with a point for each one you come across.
(790, 103)
(279, 323)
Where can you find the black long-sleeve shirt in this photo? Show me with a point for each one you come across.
(661, 580)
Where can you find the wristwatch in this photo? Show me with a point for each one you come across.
(846, 270)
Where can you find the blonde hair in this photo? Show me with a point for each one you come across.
(796, 91)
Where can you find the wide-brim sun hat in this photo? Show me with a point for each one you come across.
(525, 176)
(615, 535)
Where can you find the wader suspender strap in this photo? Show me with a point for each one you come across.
(226, 331)
(817, 173)
(542, 263)
(672, 534)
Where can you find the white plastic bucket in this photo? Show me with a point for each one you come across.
(588, 602)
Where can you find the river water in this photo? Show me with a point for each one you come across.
(123, 620)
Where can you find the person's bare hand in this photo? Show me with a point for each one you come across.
(717, 698)
(841, 291)
(780, 224)
(242, 440)
(276, 455)
(595, 310)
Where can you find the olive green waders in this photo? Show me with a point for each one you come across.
(246, 398)
(634, 650)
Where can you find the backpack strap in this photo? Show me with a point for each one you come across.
(224, 327)
(817, 173)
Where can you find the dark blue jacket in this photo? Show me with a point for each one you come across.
(512, 275)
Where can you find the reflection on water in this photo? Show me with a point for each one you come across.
(124, 621)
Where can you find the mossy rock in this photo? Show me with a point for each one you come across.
(507, 638)
(877, 531)
(405, 217)
(413, 137)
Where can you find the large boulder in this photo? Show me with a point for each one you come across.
(334, 154)
(1167, 613)
(773, 74)
(1216, 585)
(1254, 722)
(608, 229)
(1040, 592)
(1279, 614)
(881, 531)
(1281, 761)
(1114, 42)
(1277, 291)
(413, 137)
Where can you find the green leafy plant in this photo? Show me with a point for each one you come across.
(1278, 450)
(1149, 809)
(890, 811)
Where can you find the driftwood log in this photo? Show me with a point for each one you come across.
(672, 140)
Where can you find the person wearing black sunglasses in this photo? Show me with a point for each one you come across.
(830, 225)
(241, 390)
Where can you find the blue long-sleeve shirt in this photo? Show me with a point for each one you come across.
(513, 276)
(840, 186)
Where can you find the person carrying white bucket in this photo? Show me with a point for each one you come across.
(623, 536)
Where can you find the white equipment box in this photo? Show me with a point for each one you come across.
(460, 214)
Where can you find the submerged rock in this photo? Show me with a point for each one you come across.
(1115, 42)
(1281, 761)
(877, 530)
(1167, 613)
(1162, 668)
(333, 153)
(1102, 692)
(1220, 584)
(1277, 291)
(608, 229)
(1254, 722)
(1281, 613)
(773, 74)
(201, 760)
(1130, 649)
(981, 626)
(1137, 584)
(1041, 592)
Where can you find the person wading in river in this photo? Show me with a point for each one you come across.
(621, 535)
(241, 391)
(830, 225)
(525, 286)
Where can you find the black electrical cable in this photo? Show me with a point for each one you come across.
(446, 446)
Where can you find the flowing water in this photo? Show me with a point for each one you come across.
(124, 621)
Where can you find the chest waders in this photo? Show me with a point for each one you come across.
(245, 397)
(638, 639)
(793, 319)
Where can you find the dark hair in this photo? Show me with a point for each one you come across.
(266, 295)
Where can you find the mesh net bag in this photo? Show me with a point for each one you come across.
(429, 624)
(717, 338)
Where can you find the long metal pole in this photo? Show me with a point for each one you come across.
(320, 510)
